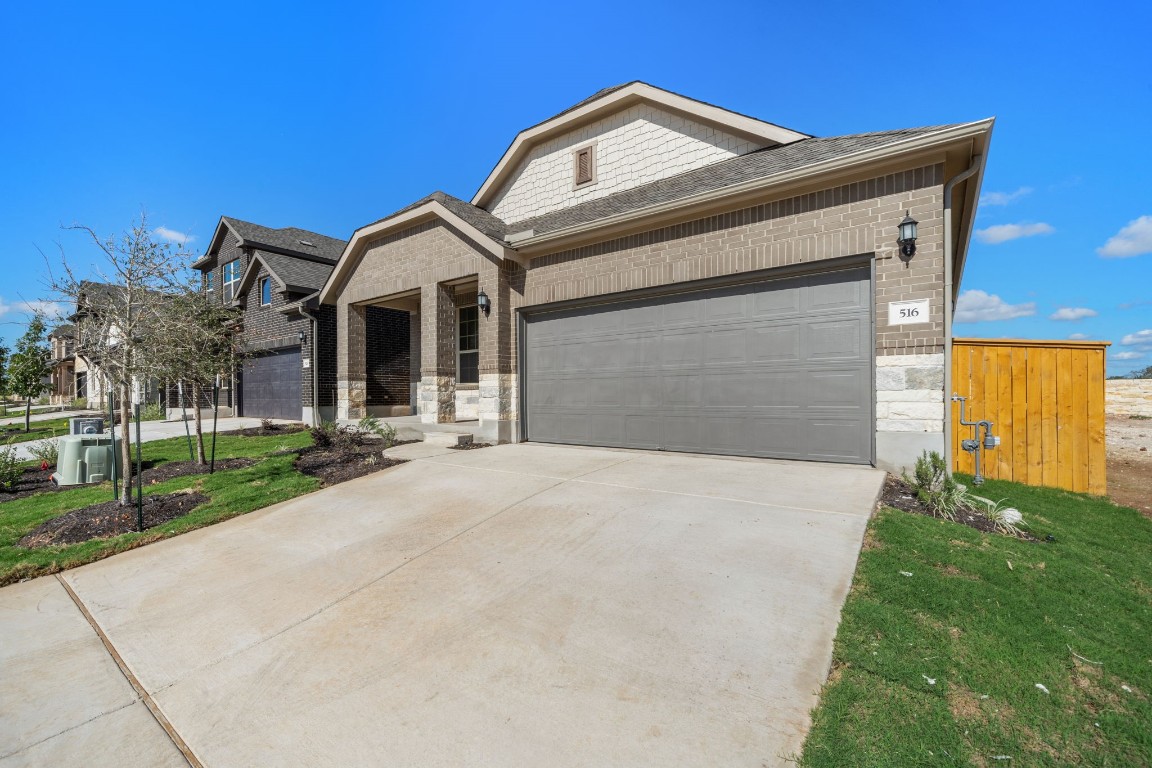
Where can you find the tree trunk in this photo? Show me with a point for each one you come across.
(28, 416)
(126, 444)
(197, 393)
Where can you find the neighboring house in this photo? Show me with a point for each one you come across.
(273, 276)
(661, 273)
(65, 385)
(73, 349)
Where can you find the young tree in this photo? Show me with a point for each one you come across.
(194, 345)
(117, 316)
(4, 377)
(30, 366)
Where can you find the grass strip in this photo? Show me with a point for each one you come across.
(941, 667)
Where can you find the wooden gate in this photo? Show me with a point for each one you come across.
(1046, 402)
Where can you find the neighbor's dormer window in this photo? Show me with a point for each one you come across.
(231, 272)
(584, 165)
(265, 291)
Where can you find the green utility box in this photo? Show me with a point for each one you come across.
(86, 459)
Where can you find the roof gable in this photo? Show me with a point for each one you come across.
(618, 99)
(289, 240)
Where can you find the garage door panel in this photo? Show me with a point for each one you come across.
(775, 343)
(837, 389)
(779, 369)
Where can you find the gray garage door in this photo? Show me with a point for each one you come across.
(270, 385)
(779, 369)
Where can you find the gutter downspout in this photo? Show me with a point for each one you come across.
(313, 324)
(977, 160)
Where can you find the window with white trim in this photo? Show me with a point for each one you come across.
(468, 345)
(231, 274)
(265, 291)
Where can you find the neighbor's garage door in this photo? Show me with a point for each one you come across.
(270, 385)
(780, 369)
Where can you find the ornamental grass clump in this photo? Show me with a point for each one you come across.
(935, 487)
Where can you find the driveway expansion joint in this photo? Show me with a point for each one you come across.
(141, 693)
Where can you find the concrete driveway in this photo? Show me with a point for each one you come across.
(517, 605)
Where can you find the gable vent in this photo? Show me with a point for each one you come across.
(584, 161)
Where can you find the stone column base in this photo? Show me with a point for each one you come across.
(436, 399)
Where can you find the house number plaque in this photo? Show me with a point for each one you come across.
(908, 312)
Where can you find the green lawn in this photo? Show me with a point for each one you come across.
(16, 434)
(232, 493)
(987, 618)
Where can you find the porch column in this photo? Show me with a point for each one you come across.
(503, 282)
(351, 367)
(437, 391)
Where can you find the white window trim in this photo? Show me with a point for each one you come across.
(459, 311)
(226, 284)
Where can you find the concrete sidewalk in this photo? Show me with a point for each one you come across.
(515, 605)
(161, 430)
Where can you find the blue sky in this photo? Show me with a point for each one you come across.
(327, 116)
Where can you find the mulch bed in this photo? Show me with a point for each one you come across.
(33, 481)
(334, 466)
(275, 429)
(36, 480)
(902, 496)
(101, 521)
(470, 446)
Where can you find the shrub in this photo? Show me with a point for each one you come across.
(79, 404)
(385, 431)
(10, 467)
(267, 425)
(47, 450)
(934, 485)
(153, 412)
(324, 434)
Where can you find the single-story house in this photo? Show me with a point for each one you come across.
(645, 270)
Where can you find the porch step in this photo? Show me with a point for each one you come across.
(448, 439)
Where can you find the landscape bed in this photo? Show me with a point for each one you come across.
(253, 470)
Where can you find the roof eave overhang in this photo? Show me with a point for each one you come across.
(926, 144)
(429, 210)
(980, 146)
(743, 126)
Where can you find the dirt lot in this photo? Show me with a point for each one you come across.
(1130, 462)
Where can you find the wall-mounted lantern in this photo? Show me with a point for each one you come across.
(484, 303)
(907, 239)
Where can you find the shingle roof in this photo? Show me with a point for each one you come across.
(65, 331)
(754, 165)
(478, 217)
(759, 164)
(297, 273)
(288, 239)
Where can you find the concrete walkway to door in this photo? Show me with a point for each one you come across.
(516, 605)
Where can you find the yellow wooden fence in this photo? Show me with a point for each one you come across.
(1046, 402)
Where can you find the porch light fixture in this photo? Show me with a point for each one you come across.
(484, 303)
(907, 239)
(302, 336)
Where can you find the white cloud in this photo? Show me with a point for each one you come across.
(1004, 198)
(1002, 233)
(1077, 336)
(173, 236)
(1072, 313)
(977, 306)
(1138, 339)
(1127, 355)
(48, 309)
(1134, 239)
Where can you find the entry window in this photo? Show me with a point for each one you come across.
(231, 272)
(468, 346)
(209, 285)
(265, 291)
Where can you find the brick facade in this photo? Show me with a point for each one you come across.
(386, 357)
